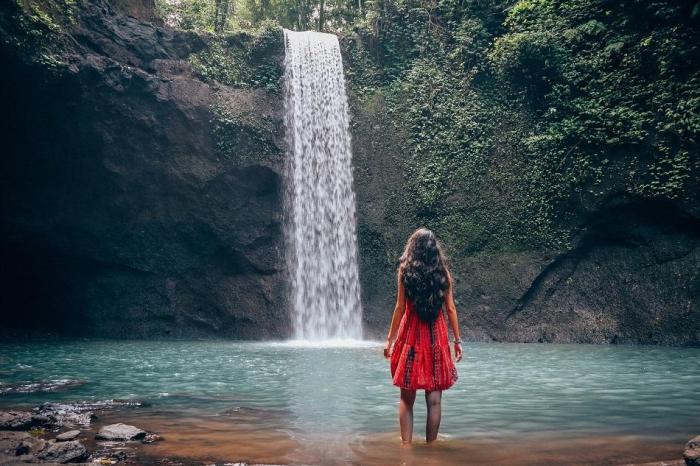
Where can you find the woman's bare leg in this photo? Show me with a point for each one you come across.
(433, 399)
(406, 414)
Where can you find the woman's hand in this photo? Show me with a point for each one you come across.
(387, 349)
(458, 351)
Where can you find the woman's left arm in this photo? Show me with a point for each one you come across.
(452, 316)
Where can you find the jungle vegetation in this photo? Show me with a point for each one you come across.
(519, 116)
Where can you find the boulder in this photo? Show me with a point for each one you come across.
(18, 420)
(64, 414)
(63, 452)
(120, 431)
(691, 454)
(110, 454)
(66, 436)
(151, 437)
(16, 447)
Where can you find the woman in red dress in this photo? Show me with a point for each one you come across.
(420, 357)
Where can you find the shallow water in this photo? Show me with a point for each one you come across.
(309, 403)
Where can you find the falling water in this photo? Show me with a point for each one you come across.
(320, 202)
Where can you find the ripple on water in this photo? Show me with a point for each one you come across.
(52, 385)
(330, 343)
(344, 387)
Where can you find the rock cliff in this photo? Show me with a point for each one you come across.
(140, 199)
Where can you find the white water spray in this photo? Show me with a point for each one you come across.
(320, 202)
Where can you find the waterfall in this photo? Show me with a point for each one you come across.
(319, 198)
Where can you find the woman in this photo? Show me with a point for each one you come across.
(420, 358)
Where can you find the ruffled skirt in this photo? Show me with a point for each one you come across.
(421, 357)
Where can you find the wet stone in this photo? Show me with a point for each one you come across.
(120, 431)
(111, 454)
(18, 420)
(691, 454)
(63, 452)
(151, 437)
(66, 436)
(19, 447)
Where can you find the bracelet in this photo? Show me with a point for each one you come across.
(457, 341)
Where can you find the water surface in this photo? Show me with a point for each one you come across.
(320, 404)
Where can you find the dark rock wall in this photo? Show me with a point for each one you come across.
(121, 218)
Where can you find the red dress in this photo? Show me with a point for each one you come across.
(421, 358)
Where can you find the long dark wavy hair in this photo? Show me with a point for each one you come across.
(423, 270)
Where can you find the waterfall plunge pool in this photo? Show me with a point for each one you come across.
(292, 402)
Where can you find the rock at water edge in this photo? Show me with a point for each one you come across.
(120, 431)
(691, 454)
(19, 447)
(63, 452)
(66, 436)
(17, 420)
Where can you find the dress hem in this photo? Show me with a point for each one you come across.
(426, 388)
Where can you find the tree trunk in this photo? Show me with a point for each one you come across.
(221, 13)
(321, 16)
(264, 7)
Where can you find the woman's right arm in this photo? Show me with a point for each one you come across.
(399, 309)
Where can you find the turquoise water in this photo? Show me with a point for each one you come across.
(504, 390)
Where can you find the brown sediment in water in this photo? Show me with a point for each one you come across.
(227, 439)
(214, 439)
(609, 450)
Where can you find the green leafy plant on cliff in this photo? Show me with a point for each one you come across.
(614, 81)
(41, 26)
(243, 59)
(522, 115)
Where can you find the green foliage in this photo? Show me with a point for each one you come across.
(620, 86)
(50, 15)
(201, 15)
(521, 115)
(468, 176)
(531, 60)
(40, 29)
(243, 59)
(193, 15)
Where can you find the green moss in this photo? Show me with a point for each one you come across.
(41, 30)
(243, 59)
(518, 124)
(47, 15)
(241, 140)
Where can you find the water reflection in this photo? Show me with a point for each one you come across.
(326, 390)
